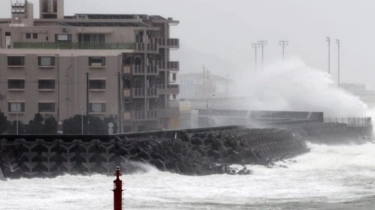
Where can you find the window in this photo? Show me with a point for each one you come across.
(46, 84)
(96, 61)
(28, 35)
(174, 76)
(46, 107)
(16, 84)
(97, 84)
(97, 107)
(16, 61)
(46, 61)
(35, 36)
(16, 107)
(63, 37)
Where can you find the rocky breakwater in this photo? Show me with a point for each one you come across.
(188, 152)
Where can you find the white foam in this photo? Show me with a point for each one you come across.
(327, 174)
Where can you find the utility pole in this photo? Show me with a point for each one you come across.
(283, 44)
(255, 46)
(338, 61)
(87, 103)
(262, 44)
(329, 54)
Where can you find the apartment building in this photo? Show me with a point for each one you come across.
(103, 64)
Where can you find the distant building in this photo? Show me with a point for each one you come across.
(203, 85)
(43, 66)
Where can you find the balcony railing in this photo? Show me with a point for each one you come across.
(57, 45)
(168, 86)
(142, 47)
(153, 70)
(168, 89)
(172, 65)
(138, 69)
(142, 92)
(172, 43)
(144, 115)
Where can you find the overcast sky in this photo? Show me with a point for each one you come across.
(219, 33)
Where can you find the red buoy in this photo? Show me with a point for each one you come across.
(117, 190)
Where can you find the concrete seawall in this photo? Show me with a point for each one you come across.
(188, 152)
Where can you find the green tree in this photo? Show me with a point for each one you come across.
(36, 125)
(50, 126)
(73, 125)
(3, 123)
(12, 127)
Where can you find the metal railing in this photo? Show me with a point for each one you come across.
(175, 43)
(168, 86)
(142, 47)
(144, 115)
(59, 45)
(141, 70)
(141, 92)
(351, 121)
(152, 70)
(138, 69)
(171, 65)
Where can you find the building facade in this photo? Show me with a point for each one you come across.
(104, 64)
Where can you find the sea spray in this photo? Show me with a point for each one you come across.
(293, 86)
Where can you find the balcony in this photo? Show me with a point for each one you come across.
(140, 70)
(169, 43)
(141, 93)
(169, 66)
(137, 69)
(146, 48)
(152, 70)
(168, 89)
(141, 116)
(81, 46)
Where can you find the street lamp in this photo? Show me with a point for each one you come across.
(17, 111)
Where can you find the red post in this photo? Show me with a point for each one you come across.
(117, 190)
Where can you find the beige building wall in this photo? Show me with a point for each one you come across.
(69, 74)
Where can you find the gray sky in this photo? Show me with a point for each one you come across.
(219, 33)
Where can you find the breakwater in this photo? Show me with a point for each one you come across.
(189, 152)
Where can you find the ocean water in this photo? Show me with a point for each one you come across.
(329, 177)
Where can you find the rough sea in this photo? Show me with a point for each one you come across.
(329, 177)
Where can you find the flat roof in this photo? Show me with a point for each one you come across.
(116, 16)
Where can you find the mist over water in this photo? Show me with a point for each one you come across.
(329, 177)
(293, 86)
